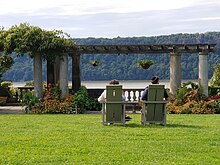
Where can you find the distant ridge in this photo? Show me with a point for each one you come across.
(124, 67)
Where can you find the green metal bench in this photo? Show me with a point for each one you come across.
(154, 109)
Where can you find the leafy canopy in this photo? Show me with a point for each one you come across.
(33, 40)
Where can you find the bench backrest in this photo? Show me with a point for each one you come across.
(114, 111)
(155, 111)
(155, 92)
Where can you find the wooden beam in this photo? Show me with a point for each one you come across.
(144, 49)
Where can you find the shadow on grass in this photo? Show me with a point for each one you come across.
(135, 125)
(182, 126)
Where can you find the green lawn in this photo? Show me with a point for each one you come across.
(82, 139)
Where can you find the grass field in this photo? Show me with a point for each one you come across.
(82, 139)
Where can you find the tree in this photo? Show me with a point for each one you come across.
(215, 79)
(5, 63)
(33, 40)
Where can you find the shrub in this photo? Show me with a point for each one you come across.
(5, 63)
(84, 102)
(190, 99)
(214, 90)
(53, 106)
(215, 79)
(29, 83)
(29, 100)
(4, 91)
(217, 106)
(51, 102)
(6, 83)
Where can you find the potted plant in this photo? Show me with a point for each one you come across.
(94, 62)
(145, 64)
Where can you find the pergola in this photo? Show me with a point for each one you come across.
(174, 50)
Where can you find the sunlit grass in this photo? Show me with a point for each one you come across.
(82, 139)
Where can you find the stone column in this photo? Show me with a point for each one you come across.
(175, 72)
(38, 87)
(76, 78)
(203, 71)
(63, 76)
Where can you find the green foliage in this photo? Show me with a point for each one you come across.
(214, 90)
(4, 91)
(1, 38)
(29, 83)
(84, 102)
(145, 64)
(33, 40)
(217, 106)
(5, 63)
(29, 100)
(93, 105)
(6, 83)
(81, 99)
(94, 62)
(215, 80)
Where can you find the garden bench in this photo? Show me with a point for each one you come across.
(113, 109)
(154, 109)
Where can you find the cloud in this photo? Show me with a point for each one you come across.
(102, 18)
(80, 7)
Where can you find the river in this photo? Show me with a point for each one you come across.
(127, 84)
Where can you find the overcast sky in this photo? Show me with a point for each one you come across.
(113, 18)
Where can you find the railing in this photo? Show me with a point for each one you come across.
(131, 95)
(20, 91)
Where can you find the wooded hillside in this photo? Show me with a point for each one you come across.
(124, 67)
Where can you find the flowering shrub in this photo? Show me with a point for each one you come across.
(52, 102)
(190, 99)
(194, 107)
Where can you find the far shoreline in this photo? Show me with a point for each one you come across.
(101, 84)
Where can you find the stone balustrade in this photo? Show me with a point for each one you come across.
(130, 94)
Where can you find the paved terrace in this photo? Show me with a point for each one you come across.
(8, 109)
